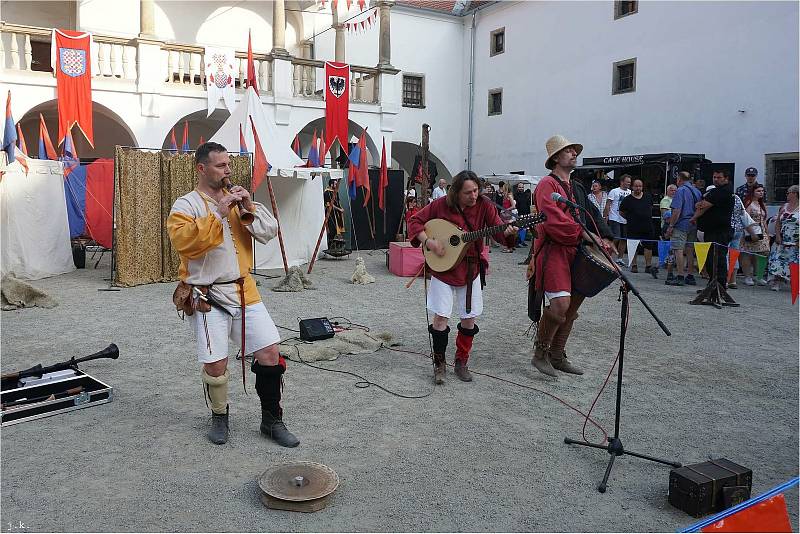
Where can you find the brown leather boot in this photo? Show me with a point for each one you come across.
(541, 359)
(462, 372)
(558, 358)
(439, 368)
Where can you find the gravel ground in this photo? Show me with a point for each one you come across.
(485, 456)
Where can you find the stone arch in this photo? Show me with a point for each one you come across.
(199, 126)
(306, 133)
(404, 153)
(109, 130)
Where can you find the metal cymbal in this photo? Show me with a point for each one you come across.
(299, 481)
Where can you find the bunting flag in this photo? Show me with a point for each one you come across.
(296, 146)
(251, 66)
(362, 173)
(761, 266)
(10, 138)
(70, 57)
(663, 251)
(355, 159)
(21, 141)
(733, 255)
(362, 4)
(69, 156)
(260, 164)
(220, 77)
(313, 152)
(242, 143)
(794, 281)
(173, 142)
(46, 148)
(337, 102)
(185, 142)
(323, 149)
(701, 250)
(383, 182)
(348, 4)
(633, 244)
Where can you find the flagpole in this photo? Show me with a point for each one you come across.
(277, 218)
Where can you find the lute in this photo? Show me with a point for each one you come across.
(456, 241)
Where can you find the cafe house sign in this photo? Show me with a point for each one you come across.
(616, 160)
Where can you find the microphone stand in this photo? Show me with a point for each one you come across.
(615, 447)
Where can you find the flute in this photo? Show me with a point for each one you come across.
(245, 216)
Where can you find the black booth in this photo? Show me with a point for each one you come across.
(657, 171)
(371, 218)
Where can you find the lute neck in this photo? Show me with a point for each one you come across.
(467, 237)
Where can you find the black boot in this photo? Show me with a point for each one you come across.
(219, 427)
(268, 387)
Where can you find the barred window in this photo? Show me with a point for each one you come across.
(623, 8)
(413, 91)
(782, 172)
(497, 44)
(495, 101)
(624, 76)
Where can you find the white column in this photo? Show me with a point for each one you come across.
(147, 21)
(339, 54)
(279, 28)
(385, 39)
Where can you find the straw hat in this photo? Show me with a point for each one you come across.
(556, 144)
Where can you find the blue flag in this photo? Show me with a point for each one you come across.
(663, 251)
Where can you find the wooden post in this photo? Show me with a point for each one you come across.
(319, 239)
(277, 218)
(425, 177)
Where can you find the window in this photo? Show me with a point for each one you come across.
(782, 172)
(40, 55)
(495, 101)
(623, 8)
(497, 42)
(624, 77)
(413, 90)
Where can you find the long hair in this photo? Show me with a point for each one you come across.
(458, 185)
(751, 197)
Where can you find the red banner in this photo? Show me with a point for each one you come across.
(72, 61)
(100, 200)
(337, 102)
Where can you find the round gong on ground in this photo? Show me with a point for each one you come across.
(298, 486)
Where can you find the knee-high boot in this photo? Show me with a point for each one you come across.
(268, 386)
(463, 348)
(558, 354)
(547, 328)
(439, 339)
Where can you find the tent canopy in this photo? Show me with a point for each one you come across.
(297, 190)
(513, 179)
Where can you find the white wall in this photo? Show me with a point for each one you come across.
(698, 63)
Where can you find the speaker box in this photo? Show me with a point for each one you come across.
(315, 329)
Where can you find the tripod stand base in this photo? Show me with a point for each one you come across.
(615, 448)
(715, 294)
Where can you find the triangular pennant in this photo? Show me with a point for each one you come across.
(362, 25)
(794, 280)
(633, 244)
(260, 164)
(733, 255)
(761, 266)
(701, 250)
(663, 251)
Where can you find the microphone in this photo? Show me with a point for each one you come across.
(558, 198)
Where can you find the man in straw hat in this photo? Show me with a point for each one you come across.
(554, 251)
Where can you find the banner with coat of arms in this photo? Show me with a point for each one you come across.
(337, 102)
(71, 59)
(220, 77)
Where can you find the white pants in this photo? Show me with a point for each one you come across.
(261, 331)
(441, 295)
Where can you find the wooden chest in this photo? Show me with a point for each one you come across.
(709, 487)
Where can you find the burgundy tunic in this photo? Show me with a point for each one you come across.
(557, 240)
(481, 215)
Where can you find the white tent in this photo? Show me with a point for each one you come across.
(298, 190)
(34, 231)
(513, 179)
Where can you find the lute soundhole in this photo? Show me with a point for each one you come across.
(454, 240)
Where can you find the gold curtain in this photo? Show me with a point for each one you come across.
(147, 185)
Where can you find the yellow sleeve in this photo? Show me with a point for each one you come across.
(194, 237)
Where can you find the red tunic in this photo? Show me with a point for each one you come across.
(481, 215)
(557, 240)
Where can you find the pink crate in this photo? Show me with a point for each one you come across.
(404, 259)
